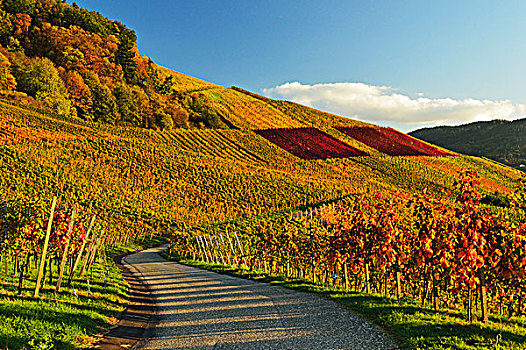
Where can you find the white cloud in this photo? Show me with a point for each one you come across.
(383, 105)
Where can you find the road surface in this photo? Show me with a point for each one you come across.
(198, 309)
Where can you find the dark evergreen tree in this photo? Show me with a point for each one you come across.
(125, 55)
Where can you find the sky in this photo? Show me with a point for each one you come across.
(407, 64)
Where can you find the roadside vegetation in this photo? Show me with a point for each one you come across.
(76, 316)
(411, 324)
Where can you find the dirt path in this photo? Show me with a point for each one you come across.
(197, 309)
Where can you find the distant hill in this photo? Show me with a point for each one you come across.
(500, 140)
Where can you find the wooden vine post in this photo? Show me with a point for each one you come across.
(66, 250)
(436, 303)
(313, 266)
(4, 226)
(232, 249)
(204, 249)
(470, 304)
(97, 246)
(367, 279)
(346, 276)
(79, 256)
(218, 249)
(484, 297)
(398, 280)
(210, 248)
(199, 249)
(91, 246)
(241, 250)
(44, 250)
(225, 249)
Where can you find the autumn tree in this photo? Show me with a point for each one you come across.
(104, 108)
(126, 104)
(179, 116)
(39, 78)
(7, 80)
(6, 26)
(80, 94)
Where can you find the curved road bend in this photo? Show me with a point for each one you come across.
(198, 309)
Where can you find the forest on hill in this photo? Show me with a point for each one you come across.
(77, 64)
(80, 64)
(500, 140)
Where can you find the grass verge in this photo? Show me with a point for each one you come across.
(411, 325)
(73, 318)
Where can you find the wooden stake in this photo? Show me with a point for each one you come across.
(204, 249)
(209, 247)
(436, 303)
(218, 248)
(398, 285)
(367, 278)
(483, 297)
(232, 249)
(21, 276)
(95, 250)
(346, 277)
(470, 305)
(66, 250)
(202, 252)
(91, 246)
(241, 250)
(44, 250)
(225, 249)
(81, 251)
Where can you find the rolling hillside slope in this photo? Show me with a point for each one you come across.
(187, 177)
(151, 149)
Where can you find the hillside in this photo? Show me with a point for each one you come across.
(174, 150)
(185, 177)
(500, 140)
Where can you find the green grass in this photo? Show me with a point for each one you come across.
(410, 325)
(64, 320)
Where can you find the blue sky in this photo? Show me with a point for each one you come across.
(416, 55)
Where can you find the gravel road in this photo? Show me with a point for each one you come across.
(198, 309)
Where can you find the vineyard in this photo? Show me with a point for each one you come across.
(183, 83)
(102, 151)
(392, 142)
(304, 115)
(309, 143)
(201, 185)
(246, 112)
(453, 254)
